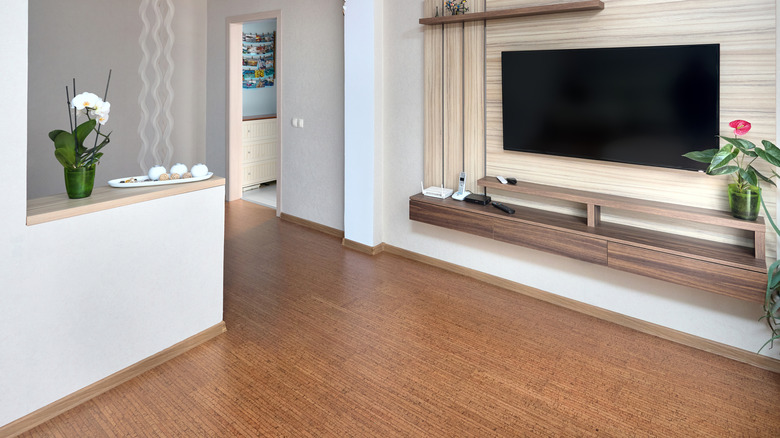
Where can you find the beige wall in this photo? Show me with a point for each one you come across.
(62, 48)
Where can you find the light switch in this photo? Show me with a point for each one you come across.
(300, 123)
(294, 122)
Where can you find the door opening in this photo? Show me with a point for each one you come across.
(254, 83)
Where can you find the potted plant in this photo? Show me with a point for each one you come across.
(78, 160)
(736, 158)
(743, 194)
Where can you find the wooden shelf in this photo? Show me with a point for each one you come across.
(555, 8)
(594, 202)
(716, 267)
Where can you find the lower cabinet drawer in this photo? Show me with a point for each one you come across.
(699, 274)
(450, 218)
(556, 242)
(261, 172)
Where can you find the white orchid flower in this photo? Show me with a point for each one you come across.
(100, 112)
(85, 101)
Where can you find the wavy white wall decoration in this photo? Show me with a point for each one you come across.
(156, 66)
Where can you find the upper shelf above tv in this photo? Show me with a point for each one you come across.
(554, 8)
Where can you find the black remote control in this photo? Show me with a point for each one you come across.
(502, 207)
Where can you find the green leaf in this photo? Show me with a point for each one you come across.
(83, 130)
(769, 218)
(704, 156)
(725, 170)
(64, 140)
(775, 307)
(749, 176)
(66, 156)
(55, 133)
(749, 151)
(763, 178)
(772, 153)
(739, 142)
(724, 155)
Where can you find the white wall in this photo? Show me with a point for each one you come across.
(62, 48)
(259, 101)
(84, 297)
(363, 106)
(703, 314)
(312, 84)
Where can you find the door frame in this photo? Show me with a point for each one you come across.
(234, 96)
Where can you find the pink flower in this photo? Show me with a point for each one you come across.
(741, 127)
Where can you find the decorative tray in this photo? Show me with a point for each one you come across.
(144, 181)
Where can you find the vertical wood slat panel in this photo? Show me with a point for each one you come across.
(453, 103)
(474, 99)
(433, 153)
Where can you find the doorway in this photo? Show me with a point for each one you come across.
(254, 109)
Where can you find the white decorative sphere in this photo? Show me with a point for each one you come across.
(179, 168)
(155, 172)
(199, 170)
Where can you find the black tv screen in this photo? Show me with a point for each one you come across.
(638, 105)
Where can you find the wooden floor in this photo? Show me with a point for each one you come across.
(325, 341)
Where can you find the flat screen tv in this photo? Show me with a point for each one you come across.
(638, 105)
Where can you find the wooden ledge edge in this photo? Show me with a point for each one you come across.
(650, 328)
(313, 225)
(57, 207)
(85, 394)
(357, 246)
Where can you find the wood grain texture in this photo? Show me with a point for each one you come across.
(748, 357)
(87, 393)
(724, 280)
(325, 341)
(680, 259)
(453, 103)
(313, 225)
(747, 39)
(553, 8)
(684, 212)
(365, 249)
(442, 216)
(555, 242)
(57, 207)
(433, 156)
(474, 99)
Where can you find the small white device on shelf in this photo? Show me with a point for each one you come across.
(462, 192)
(436, 192)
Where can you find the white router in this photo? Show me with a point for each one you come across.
(436, 192)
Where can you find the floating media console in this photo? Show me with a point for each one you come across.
(722, 268)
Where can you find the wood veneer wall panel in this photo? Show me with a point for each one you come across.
(453, 103)
(434, 153)
(747, 38)
(474, 99)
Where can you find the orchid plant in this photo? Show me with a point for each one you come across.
(736, 158)
(69, 148)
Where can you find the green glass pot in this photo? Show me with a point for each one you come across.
(744, 204)
(79, 182)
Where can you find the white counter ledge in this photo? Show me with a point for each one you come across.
(56, 207)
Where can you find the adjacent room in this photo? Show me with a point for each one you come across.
(373, 218)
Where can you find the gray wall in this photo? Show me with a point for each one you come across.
(312, 81)
(60, 51)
